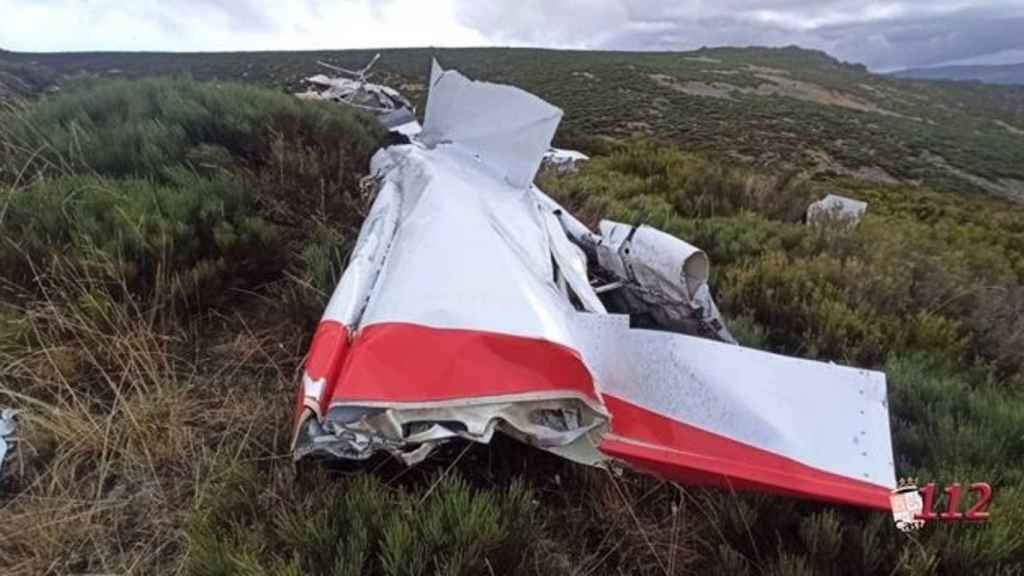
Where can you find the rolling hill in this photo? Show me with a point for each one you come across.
(769, 107)
(993, 74)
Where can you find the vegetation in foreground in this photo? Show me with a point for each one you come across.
(168, 245)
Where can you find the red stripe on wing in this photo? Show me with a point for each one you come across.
(402, 362)
(690, 455)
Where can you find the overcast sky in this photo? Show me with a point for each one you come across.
(883, 35)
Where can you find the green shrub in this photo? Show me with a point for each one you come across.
(323, 261)
(182, 189)
(362, 526)
(923, 271)
(142, 128)
(685, 185)
(950, 426)
(203, 236)
(927, 287)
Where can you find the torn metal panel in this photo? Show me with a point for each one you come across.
(662, 264)
(474, 303)
(662, 277)
(505, 127)
(420, 299)
(408, 128)
(410, 431)
(392, 109)
(572, 264)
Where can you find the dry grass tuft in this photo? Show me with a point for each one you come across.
(124, 426)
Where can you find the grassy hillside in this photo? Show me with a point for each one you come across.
(766, 107)
(168, 246)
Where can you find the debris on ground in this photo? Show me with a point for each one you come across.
(564, 160)
(473, 303)
(834, 207)
(7, 427)
(351, 88)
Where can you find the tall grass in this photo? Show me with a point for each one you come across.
(148, 329)
(122, 425)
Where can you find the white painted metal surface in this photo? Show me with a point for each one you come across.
(562, 155)
(505, 127)
(408, 129)
(458, 238)
(564, 160)
(353, 290)
(662, 263)
(471, 251)
(836, 207)
(831, 417)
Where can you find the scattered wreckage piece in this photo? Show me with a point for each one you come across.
(834, 207)
(662, 280)
(564, 160)
(7, 427)
(474, 303)
(392, 109)
(907, 507)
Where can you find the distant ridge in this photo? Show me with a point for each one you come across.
(787, 109)
(992, 74)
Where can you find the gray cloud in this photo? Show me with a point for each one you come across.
(191, 25)
(232, 15)
(883, 35)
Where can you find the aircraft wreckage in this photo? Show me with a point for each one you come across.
(392, 109)
(474, 303)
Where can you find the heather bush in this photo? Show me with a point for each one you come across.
(194, 238)
(122, 202)
(362, 526)
(194, 190)
(923, 271)
(927, 287)
(143, 128)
